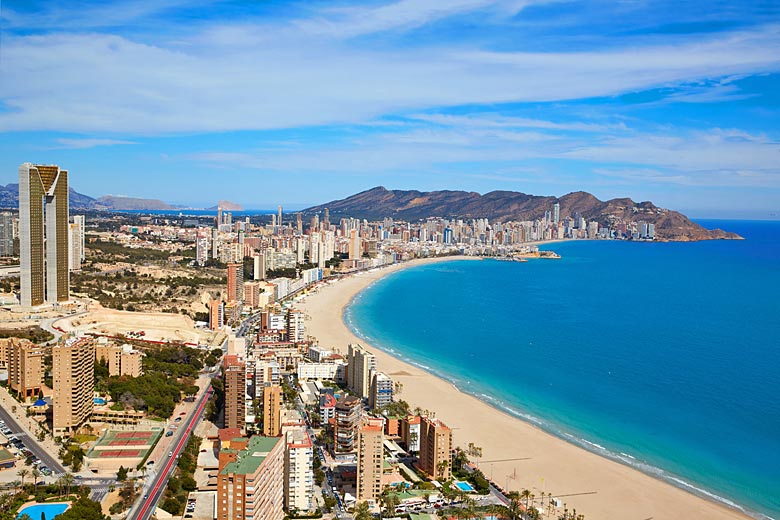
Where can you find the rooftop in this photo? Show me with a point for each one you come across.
(250, 459)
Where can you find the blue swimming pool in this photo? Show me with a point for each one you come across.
(99, 400)
(50, 510)
(465, 486)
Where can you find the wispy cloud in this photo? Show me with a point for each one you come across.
(82, 143)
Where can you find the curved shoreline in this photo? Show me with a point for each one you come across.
(552, 463)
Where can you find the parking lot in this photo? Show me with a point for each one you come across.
(200, 505)
(17, 447)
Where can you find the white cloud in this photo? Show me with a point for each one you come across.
(82, 143)
(255, 76)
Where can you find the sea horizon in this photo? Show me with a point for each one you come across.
(363, 316)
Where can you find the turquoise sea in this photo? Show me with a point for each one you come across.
(665, 356)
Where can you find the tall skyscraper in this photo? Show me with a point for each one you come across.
(235, 392)
(6, 234)
(235, 282)
(370, 451)
(43, 234)
(73, 377)
(556, 214)
(279, 216)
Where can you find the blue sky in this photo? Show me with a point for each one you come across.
(299, 103)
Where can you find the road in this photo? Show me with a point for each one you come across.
(31, 443)
(143, 509)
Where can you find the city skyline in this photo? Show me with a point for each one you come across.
(306, 103)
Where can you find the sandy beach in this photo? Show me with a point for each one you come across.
(531, 458)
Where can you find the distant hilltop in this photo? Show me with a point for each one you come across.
(379, 202)
(9, 198)
(227, 206)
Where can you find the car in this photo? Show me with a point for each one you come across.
(168, 433)
(203, 451)
(177, 419)
(183, 413)
(170, 454)
(150, 463)
(146, 496)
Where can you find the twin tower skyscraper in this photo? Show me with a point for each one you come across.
(43, 234)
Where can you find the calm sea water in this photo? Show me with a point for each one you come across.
(663, 356)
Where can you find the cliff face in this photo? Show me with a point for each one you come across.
(380, 202)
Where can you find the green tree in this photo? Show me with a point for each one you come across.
(121, 475)
(362, 512)
(22, 474)
(83, 509)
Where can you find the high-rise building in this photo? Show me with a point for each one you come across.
(556, 213)
(73, 378)
(216, 314)
(235, 282)
(435, 448)
(354, 245)
(259, 266)
(370, 451)
(25, 367)
(76, 243)
(43, 234)
(326, 220)
(202, 249)
(279, 216)
(296, 331)
(381, 393)
(6, 234)
(299, 471)
(251, 485)
(234, 371)
(272, 410)
(362, 365)
(348, 413)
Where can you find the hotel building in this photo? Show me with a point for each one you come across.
(348, 412)
(235, 282)
(381, 393)
(435, 448)
(43, 234)
(272, 411)
(73, 380)
(250, 485)
(362, 365)
(25, 367)
(299, 471)
(370, 458)
(234, 372)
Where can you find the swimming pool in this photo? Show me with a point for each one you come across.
(50, 510)
(99, 400)
(464, 486)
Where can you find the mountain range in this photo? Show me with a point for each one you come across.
(412, 205)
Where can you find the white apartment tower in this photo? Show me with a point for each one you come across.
(298, 471)
(362, 365)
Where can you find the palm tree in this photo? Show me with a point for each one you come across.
(68, 480)
(35, 474)
(514, 509)
(526, 494)
(362, 512)
(22, 473)
(16, 485)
